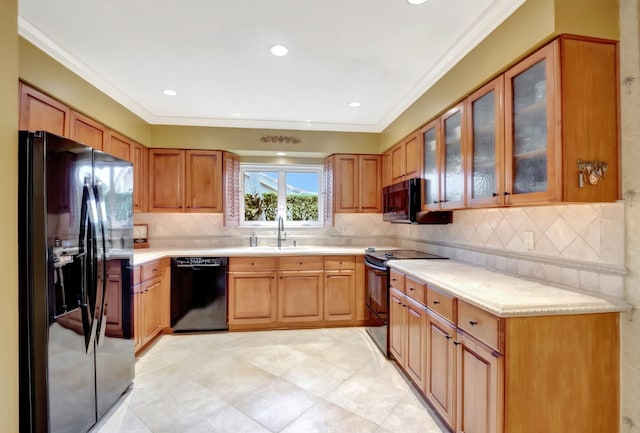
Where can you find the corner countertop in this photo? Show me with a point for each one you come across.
(504, 295)
(142, 256)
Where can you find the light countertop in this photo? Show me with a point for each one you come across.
(141, 256)
(501, 294)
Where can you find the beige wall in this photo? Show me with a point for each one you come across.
(533, 24)
(8, 228)
(239, 139)
(44, 73)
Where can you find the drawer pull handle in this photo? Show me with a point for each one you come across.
(155, 269)
(393, 279)
(412, 288)
(448, 337)
(473, 322)
(436, 302)
(457, 343)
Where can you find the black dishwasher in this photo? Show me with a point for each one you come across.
(199, 294)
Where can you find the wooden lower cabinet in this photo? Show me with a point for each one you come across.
(340, 294)
(151, 301)
(270, 292)
(300, 296)
(487, 374)
(440, 365)
(252, 298)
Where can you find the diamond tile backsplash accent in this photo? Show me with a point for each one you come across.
(578, 246)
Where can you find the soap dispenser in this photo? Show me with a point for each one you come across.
(253, 240)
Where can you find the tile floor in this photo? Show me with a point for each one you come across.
(299, 381)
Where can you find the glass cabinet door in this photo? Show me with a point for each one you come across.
(431, 166)
(484, 172)
(530, 146)
(453, 170)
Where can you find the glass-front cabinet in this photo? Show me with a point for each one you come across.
(452, 174)
(431, 165)
(532, 171)
(485, 179)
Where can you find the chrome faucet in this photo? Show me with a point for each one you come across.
(282, 236)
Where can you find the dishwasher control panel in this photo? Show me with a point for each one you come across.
(182, 262)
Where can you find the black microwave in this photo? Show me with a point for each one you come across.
(402, 203)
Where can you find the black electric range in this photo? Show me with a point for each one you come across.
(377, 290)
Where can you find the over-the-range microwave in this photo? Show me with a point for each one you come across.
(402, 203)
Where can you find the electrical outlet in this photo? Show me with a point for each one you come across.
(529, 240)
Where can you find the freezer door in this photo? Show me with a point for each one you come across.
(69, 353)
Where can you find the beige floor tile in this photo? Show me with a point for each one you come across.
(276, 405)
(325, 417)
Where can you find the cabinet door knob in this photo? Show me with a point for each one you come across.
(436, 302)
(473, 322)
(506, 193)
(495, 194)
(448, 337)
(457, 343)
(411, 288)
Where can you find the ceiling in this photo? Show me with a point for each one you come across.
(215, 54)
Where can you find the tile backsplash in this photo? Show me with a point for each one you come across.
(579, 246)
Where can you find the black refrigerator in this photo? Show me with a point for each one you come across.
(75, 257)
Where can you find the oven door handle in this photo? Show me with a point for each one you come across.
(372, 266)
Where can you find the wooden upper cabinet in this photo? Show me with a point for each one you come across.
(40, 112)
(166, 180)
(185, 180)
(119, 146)
(203, 183)
(485, 151)
(140, 160)
(87, 131)
(406, 159)
(557, 115)
(386, 168)
(357, 183)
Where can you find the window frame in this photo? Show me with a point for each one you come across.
(282, 170)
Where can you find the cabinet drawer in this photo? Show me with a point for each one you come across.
(248, 264)
(396, 279)
(300, 263)
(482, 325)
(137, 275)
(416, 290)
(441, 303)
(153, 283)
(339, 262)
(151, 270)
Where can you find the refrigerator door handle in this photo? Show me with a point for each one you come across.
(101, 312)
(88, 222)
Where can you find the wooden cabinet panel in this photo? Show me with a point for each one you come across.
(442, 303)
(397, 163)
(87, 131)
(339, 263)
(361, 311)
(386, 169)
(452, 179)
(166, 172)
(119, 146)
(412, 157)
(300, 263)
(152, 305)
(432, 160)
(396, 280)
(397, 326)
(300, 296)
(482, 325)
(479, 387)
(339, 295)
(416, 342)
(113, 300)
(137, 317)
(204, 181)
(151, 270)
(40, 112)
(252, 298)
(252, 264)
(347, 185)
(369, 183)
(416, 290)
(140, 160)
(440, 375)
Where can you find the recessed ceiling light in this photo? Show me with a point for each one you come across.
(417, 2)
(354, 104)
(170, 92)
(281, 153)
(279, 50)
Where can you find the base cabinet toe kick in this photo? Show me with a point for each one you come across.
(488, 374)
